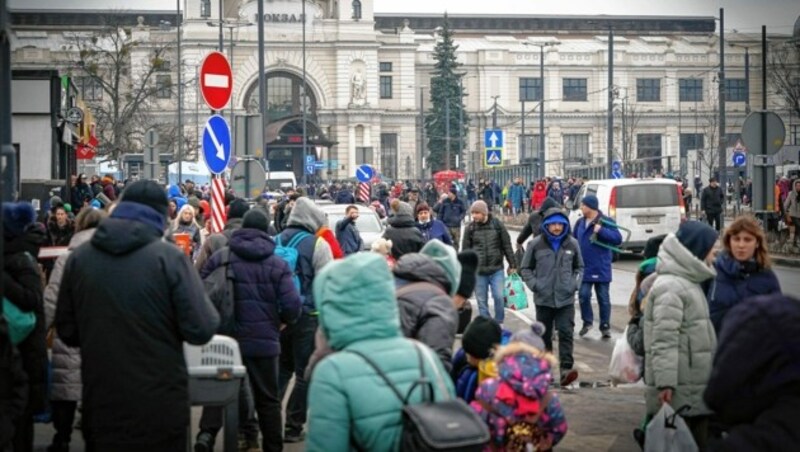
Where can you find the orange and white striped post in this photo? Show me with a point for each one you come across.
(217, 204)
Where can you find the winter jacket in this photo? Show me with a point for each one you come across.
(596, 257)
(403, 233)
(59, 235)
(490, 240)
(792, 203)
(516, 194)
(215, 242)
(66, 360)
(131, 329)
(192, 230)
(345, 197)
(79, 193)
(313, 252)
(13, 387)
(736, 281)
(435, 230)
(755, 385)
(679, 340)
(22, 283)
(553, 273)
(712, 199)
(265, 296)
(347, 235)
(533, 225)
(348, 403)
(538, 195)
(427, 313)
(451, 212)
(556, 193)
(522, 383)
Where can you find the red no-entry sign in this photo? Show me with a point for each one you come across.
(216, 80)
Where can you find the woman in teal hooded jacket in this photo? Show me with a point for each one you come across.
(349, 405)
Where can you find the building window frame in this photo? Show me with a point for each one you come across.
(690, 90)
(575, 147)
(389, 156)
(356, 10)
(574, 89)
(531, 150)
(386, 82)
(163, 86)
(90, 88)
(385, 66)
(530, 89)
(735, 90)
(648, 90)
(205, 9)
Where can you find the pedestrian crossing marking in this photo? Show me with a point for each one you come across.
(494, 158)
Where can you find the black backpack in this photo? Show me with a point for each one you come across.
(219, 287)
(444, 425)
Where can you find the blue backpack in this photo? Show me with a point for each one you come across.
(290, 254)
(465, 376)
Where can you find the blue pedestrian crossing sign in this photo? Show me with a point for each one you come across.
(217, 144)
(494, 157)
(493, 138)
(364, 173)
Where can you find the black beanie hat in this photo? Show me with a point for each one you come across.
(697, 237)
(237, 208)
(147, 192)
(256, 219)
(652, 246)
(481, 336)
(469, 265)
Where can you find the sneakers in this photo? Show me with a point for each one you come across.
(568, 376)
(204, 442)
(585, 329)
(293, 436)
(606, 332)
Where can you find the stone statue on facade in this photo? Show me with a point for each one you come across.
(358, 86)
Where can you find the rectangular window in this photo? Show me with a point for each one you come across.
(531, 149)
(163, 86)
(692, 141)
(363, 155)
(576, 147)
(794, 135)
(161, 65)
(205, 8)
(385, 67)
(389, 155)
(649, 195)
(574, 90)
(530, 89)
(735, 90)
(732, 138)
(386, 86)
(648, 90)
(690, 89)
(649, 151)
(90, 87)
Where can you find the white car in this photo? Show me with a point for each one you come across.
(370, 227)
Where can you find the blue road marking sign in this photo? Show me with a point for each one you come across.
(616, 175)
(739, 159)
(364, 173)
(309, 159)
(217, 144)
(494, 157)
(493, 138)
(310, 169)
(320, 164)
(615, 166)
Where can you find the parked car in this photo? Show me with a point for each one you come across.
(647, 207)
(369, 225)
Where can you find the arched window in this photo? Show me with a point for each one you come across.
(356, 9)
(284, 96)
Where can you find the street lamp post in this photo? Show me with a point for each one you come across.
(540, 154)
(180, 95)
(421, 132)
(610, 137)
(722, 138)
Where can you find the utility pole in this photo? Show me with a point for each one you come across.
(8, 164)
(460, 156)
(421, 133)
(610, 138)
(180, 95)
(262, 102)
(522, 127)
(221, 38)
(722, 138)
(305, 95)
(539, 174)
(447, 135)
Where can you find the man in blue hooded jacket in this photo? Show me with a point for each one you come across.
(552, 268)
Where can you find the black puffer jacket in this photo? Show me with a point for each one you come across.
(131, 331)
(427, 312)
(405, 236)
(490, 240)
(13, 387)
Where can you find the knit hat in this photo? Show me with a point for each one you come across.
(481, 337)
(469, 265)
(652, 246)
(147, 192)
(531, 336)
(445, 257)
(697, 237)
(16, 217)
(422, 206)
(194, 201)
(256, 219)
(454, 190)
(237, 208)
(480, 207)
(591, 202)
(402, 208)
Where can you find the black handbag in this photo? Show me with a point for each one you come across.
(445, 425)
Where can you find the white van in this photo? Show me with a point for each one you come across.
(647, 207)
(280, 180)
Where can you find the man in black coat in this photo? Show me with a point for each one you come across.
(712, 203)
(130, 300)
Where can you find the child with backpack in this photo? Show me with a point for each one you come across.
(473, 363)
(519, 407)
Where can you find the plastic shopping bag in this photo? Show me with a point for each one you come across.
(625, 366)
(514, 293)
(668, 432)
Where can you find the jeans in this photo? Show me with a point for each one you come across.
(63, 419)
(714, 219)
(297, 345)
(563, 319)
(211, 419)
(496, 281)
(263, 374)
(603, 299)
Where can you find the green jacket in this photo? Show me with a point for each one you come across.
(679, 339)
(348, 401)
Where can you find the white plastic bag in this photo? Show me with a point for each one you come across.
(625, 366)
(668, 432)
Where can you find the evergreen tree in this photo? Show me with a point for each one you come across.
(447, 96)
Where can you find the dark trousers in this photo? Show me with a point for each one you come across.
(297, 345)
(23, 433)
(714, 219)
(171, 445)
(699, 428)
(211, 419)
(63, 419)
(564, 321)
(263, 374)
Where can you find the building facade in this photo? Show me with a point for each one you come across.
(367, 79)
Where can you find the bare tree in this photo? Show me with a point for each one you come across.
(630, 122)
(784, 73)
(709, 155)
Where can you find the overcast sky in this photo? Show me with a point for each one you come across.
(742, 15)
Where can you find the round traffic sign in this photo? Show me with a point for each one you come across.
(216, 80)
(739, 158)
(752, 132)
(248, 179)
(615, 165)
(364, 173)
(217, 144)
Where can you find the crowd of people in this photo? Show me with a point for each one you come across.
(356, 327)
